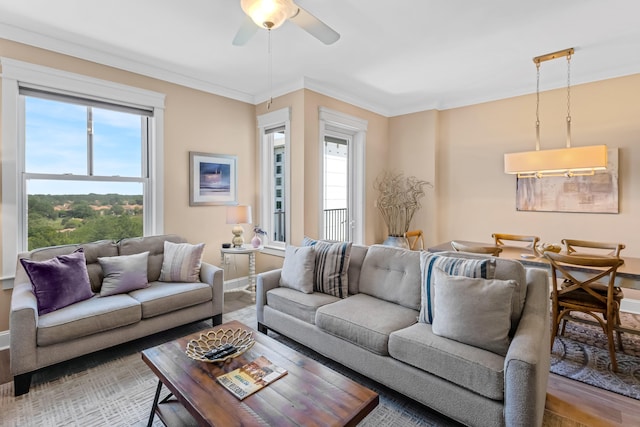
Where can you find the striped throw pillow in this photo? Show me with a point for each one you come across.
(181, 262)
(331, 266)
(475, 268)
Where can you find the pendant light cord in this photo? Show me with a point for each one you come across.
(568, 101)
(537, 106)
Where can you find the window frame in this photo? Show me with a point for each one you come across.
(14, 198)
(336, 123)
(271, 120)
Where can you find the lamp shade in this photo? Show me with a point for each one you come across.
(269, 13)
(557, 162)
(239, 214)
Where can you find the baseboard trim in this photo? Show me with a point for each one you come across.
(630, 306)
(232, 284)
(4, 340)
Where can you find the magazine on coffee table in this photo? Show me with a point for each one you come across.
(251, 377)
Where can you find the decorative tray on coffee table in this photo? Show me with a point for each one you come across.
(240, 339)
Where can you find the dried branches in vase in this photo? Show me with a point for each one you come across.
(398, 200)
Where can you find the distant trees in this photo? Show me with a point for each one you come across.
(65, 219)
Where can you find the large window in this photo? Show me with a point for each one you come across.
(275, 182)
(85, 169)
(82, 160)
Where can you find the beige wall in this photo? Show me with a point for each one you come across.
(476, 198)
(194, 121)
(459, 150)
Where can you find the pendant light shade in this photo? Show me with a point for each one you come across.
(269, 14)
(569, 161)
(574, 161)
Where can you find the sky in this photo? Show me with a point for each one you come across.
(56, 143)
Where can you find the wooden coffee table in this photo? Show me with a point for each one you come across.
(310, 393)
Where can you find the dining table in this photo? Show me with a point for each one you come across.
(628, 274)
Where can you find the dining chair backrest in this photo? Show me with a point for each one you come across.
(462, 247)
(586, 247)
(500, 239)
(415, 237)
(588, 286)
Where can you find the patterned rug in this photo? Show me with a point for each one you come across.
(114, 387)
(582, 354)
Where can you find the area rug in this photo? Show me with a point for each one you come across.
(114, 387)
(582, 354)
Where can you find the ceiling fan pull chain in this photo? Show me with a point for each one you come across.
(270, 73)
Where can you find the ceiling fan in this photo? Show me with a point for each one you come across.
(270, 14)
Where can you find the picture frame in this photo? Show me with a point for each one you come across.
(213, 179)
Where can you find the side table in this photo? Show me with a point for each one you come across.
(251, 252)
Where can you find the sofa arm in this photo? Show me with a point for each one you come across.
(214, 276)
(264, 283)
(526, 368)
(23, 325)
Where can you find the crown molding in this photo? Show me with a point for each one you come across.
(100, 55)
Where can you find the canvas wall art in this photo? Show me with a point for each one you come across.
(588, 194)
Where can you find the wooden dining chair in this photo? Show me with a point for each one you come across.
(500, 239)
(415, 237)
(575, 247)
(593, 293)
(490, 250)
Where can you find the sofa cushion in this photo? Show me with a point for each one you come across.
(165, 297)
(87, 317)
(154, 245)
(297, 304)
(478, 370)
(474, 311)
(181, 262)
(123, 273)
(506, 269)
(58, 282)
(429, 262)
(365, 321)
(297, 268)
(358, 252)
(331, 266)
(391, 274)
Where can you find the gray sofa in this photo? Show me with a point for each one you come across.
(101, 322)
(375, 332)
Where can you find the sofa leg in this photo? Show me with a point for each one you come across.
(21, 384)
(216, 320)
(261, 328)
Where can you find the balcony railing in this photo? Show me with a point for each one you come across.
(335, 224)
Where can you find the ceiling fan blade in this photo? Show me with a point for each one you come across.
(245, 32)
(314, 26)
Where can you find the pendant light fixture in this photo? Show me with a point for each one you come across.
(568, 161)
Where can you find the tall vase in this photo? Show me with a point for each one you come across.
(256, 242)
(397, 241)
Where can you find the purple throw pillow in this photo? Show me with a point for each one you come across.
(60, 281)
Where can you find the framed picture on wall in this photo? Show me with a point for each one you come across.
(213, 179)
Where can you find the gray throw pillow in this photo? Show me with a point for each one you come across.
(331, 271)
(123, 273)
(429, 262)
(297, 270)
(474, 311)
(181, 262)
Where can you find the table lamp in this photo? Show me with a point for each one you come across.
(238, 215)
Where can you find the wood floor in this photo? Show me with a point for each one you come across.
(581, 403)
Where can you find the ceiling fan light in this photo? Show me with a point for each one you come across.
(269, 14)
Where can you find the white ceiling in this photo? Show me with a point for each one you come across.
(393, 57)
